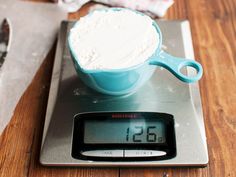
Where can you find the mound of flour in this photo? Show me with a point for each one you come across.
(113, 39)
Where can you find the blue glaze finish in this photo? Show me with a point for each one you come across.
(128, 80)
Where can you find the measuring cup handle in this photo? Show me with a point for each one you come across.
(174, 65)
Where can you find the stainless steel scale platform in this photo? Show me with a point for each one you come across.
(68, 96)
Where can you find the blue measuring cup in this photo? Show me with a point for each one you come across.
(128, 80)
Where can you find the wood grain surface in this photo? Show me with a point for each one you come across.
(213, 26)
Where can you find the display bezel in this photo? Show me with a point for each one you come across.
(78, 145)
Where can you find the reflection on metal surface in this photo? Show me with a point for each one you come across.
(5, 32)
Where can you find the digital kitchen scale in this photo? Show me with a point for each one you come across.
(159, 125)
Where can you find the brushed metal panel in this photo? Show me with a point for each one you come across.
(163, 93)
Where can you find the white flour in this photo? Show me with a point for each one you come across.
(113, 39)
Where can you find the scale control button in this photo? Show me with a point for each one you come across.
(104, 153)
(143, 153)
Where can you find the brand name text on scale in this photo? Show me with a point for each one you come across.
(124, 116)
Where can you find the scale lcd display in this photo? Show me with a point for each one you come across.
(124, 131)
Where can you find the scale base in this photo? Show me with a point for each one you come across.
(164, 93)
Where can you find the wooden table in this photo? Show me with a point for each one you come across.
(213, 25)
